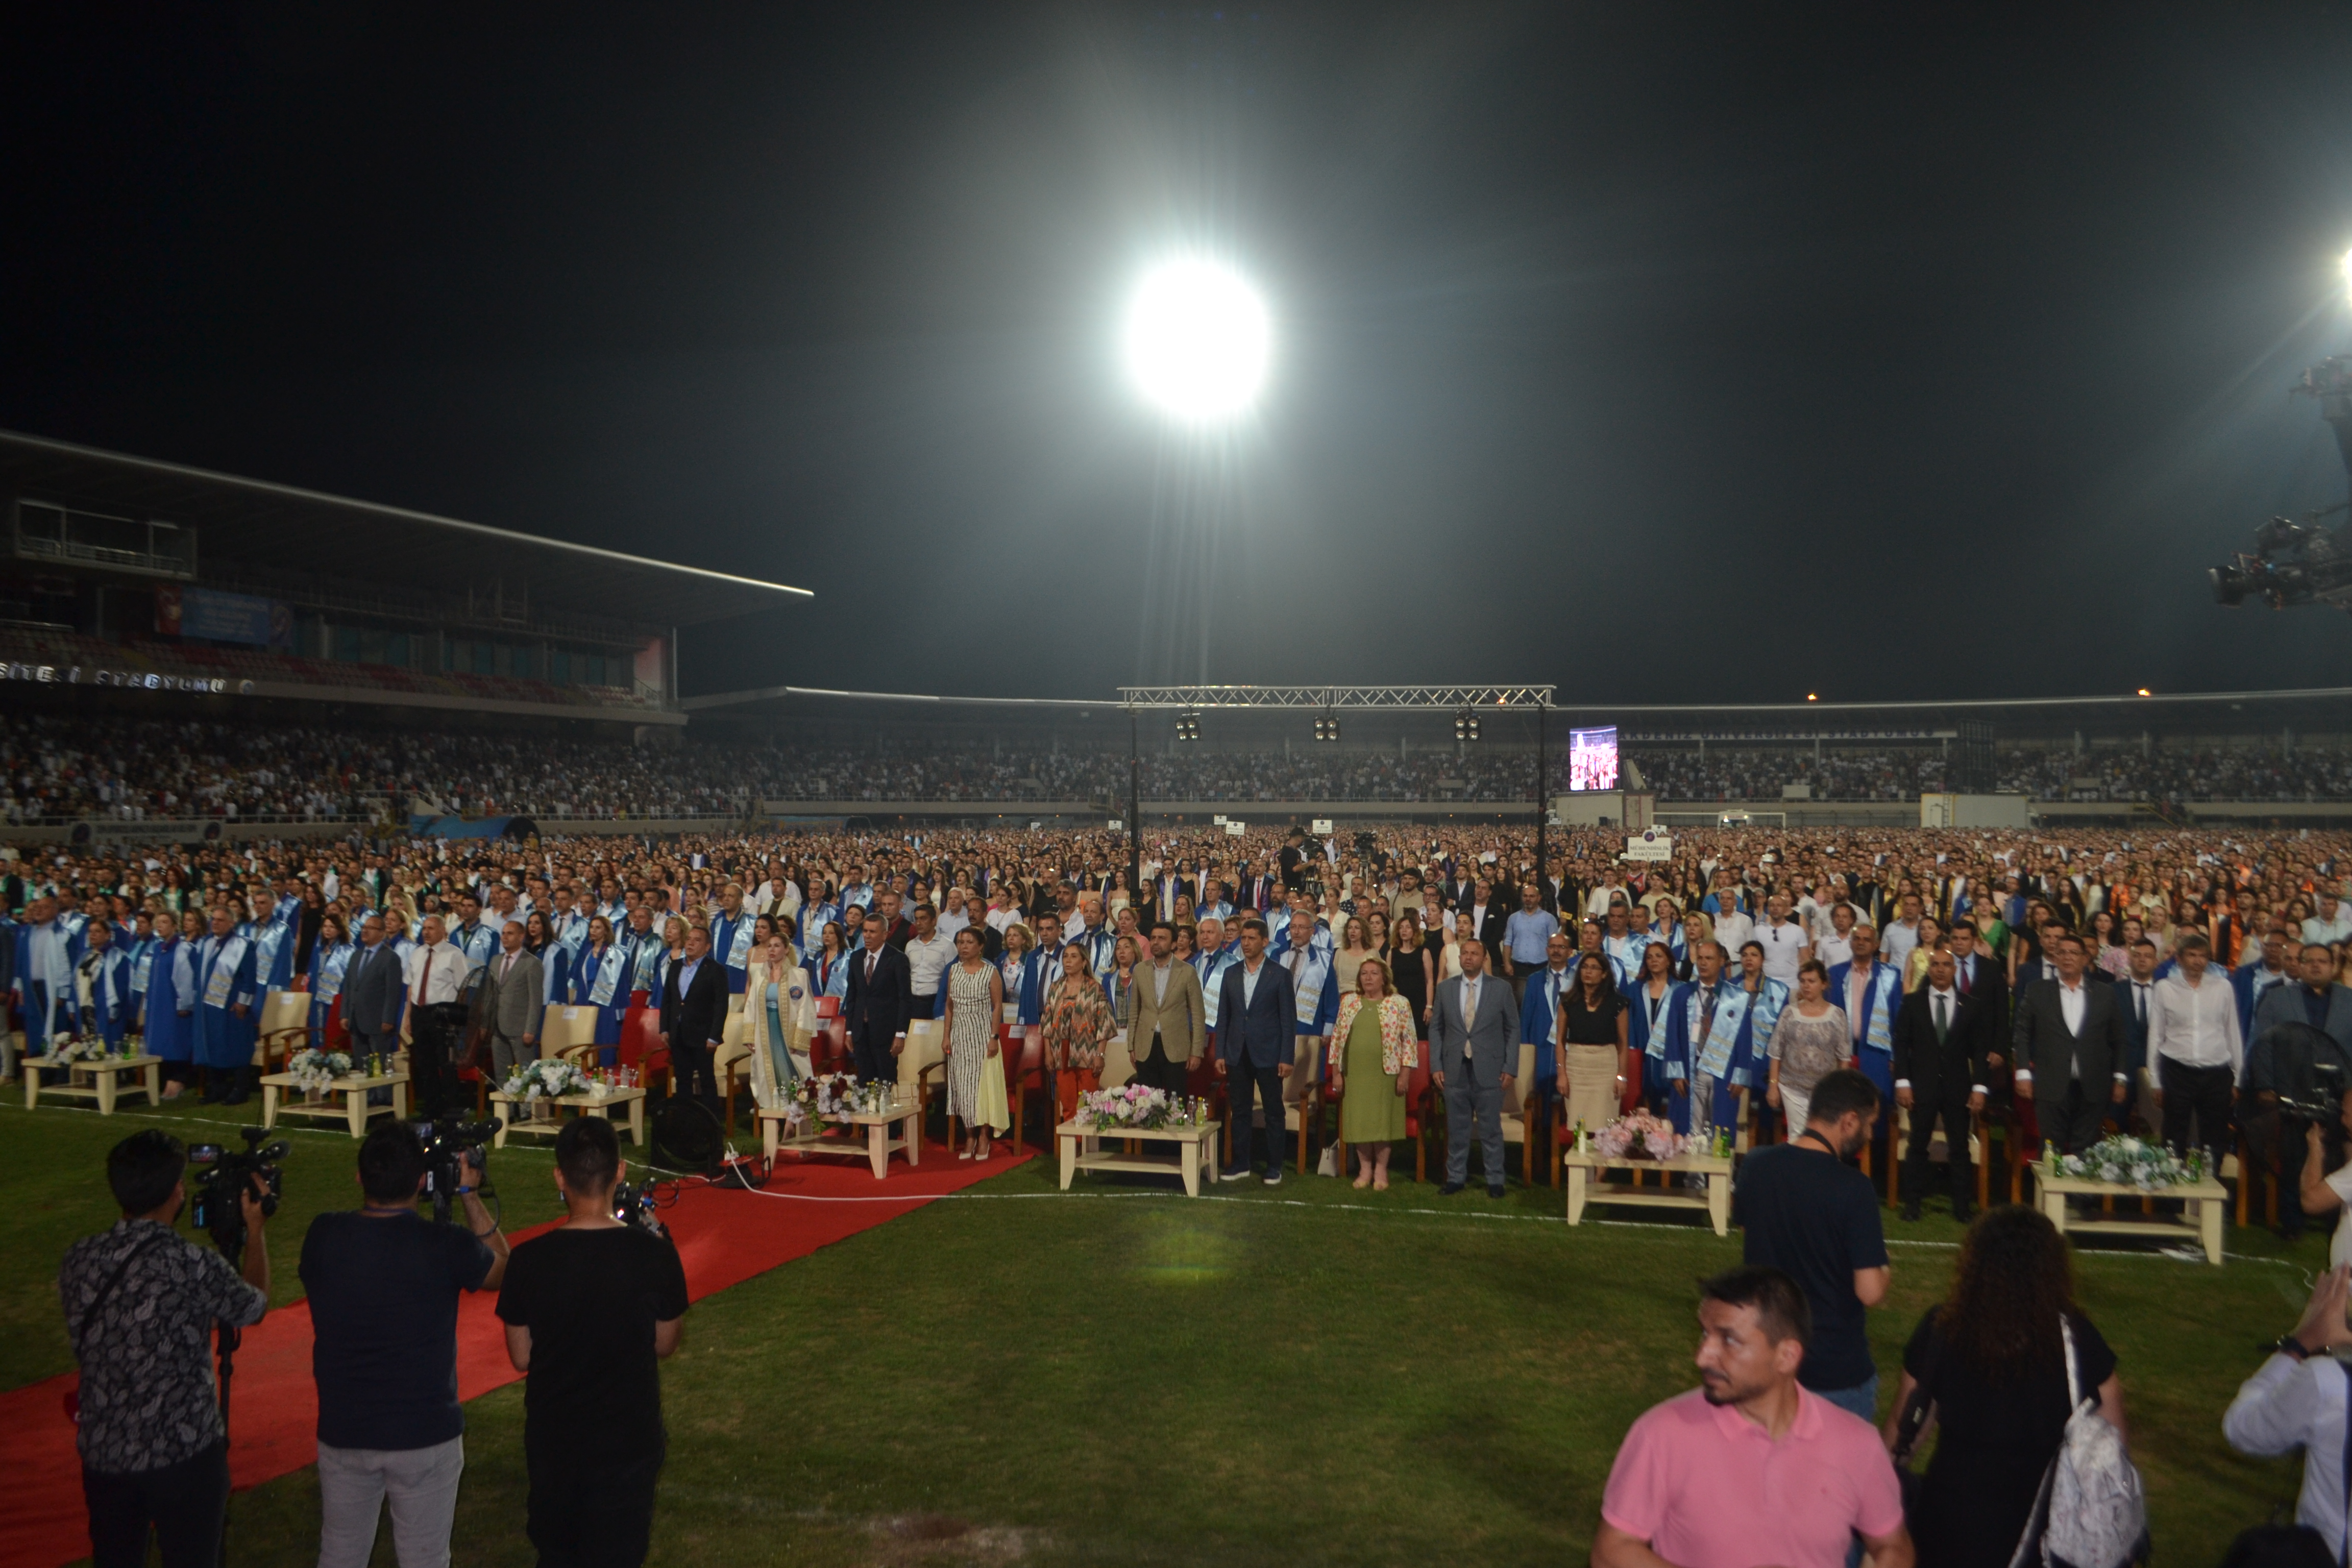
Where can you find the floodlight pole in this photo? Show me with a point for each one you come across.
(1135, 810)
(1542, 866)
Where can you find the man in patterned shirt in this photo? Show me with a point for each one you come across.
(141, 1303)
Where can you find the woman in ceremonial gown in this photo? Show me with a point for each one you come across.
(170, 1024)
(597, 981)
(777, 994)
(1646, 1020)
(326, 968)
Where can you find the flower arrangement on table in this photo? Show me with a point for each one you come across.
(550, 1078)
(1135, 1105)
(2126, 1161)
(67, 1049)
(1642, 1136)
(314, 1070)
(835, 1094)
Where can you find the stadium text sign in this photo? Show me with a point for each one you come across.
(138, 679)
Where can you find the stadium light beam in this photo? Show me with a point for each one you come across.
(1197, 342)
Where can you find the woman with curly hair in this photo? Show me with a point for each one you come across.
(1992, 1359)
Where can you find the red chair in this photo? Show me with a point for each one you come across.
(1024, 1074)
(641, 1046)
(1423, 1111)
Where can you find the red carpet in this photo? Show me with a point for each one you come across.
(725, 1237)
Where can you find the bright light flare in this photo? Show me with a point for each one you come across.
(1197, 341)
(2346, 266)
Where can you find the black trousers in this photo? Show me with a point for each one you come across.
(1156, 1071)
(434, 1033)
(183, 1504)
(590, 1510)
(2073, 1121)
(692, 1075)
(2267, 1130)
(1241, 1075)
(2202, 1093)
(1951, 1107)
(871, 1054)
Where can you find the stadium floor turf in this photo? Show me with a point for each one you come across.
(1311, 1374)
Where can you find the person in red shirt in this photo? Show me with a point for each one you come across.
(1750, 1467)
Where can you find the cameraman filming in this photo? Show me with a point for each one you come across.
(383, 1282)
(140, 1303)
(591, 1307)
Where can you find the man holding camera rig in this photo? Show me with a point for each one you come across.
(384, 1284)
(141, 1303)
(591, 1308)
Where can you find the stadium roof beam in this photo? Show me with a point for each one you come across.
(290, 528)
(1433, 696)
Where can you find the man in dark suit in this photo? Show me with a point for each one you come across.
(374, 993)
(2069, 1043)
(694, 1017)
(1939, 1076)
(1256, 1014)
(880, 999)
(2135, 998)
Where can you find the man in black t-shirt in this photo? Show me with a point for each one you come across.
(591, 1307)
(384, 1284)
(1810, 1215)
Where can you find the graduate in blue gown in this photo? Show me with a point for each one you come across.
(167, 1017)
(227, 1012)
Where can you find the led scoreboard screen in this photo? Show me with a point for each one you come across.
(1592, 759)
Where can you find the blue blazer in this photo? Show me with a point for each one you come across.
(1261, 1027)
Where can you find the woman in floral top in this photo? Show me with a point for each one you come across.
(1077, 1023)
(1376, 1049)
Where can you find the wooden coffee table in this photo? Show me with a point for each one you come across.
(879, 1143)
(2202, 1205)
(592, 1104)
(99, 1080)
(353, 1088)
(1082, 1150)
(1583, 1187)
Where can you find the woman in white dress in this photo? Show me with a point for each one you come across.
(975, 1075)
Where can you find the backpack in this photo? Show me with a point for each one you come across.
(2093, 1510)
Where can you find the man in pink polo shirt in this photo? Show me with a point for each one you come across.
(1749, 1468)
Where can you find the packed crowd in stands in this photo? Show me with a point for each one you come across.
(66, 768)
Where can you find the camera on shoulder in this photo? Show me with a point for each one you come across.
(222, 1176)
(451, 1144)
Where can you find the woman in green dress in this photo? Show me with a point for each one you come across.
(1377, 1052)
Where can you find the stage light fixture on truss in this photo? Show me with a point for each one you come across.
(1188, 724)
(1465, 725)
(1327, 728)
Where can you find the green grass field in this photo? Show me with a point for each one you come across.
(1309, 1376)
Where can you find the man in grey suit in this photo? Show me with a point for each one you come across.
(374, 993)
(509, 1003)
(2070, 1049)
(1474, 1044)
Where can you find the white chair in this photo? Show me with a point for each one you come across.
(1519, 1103)
(285, 1027)
(1302, 1093)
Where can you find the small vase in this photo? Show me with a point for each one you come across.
(314, 1096)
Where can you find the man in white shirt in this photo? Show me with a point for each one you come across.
(436, 973)
(1784, 942)
(927, 956)
(2195, 1049)
(1732, 928)
(1837, 947)
(1895, 943)
(2332, 924)
(2297, 1401)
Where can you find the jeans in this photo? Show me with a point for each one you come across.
(1862, 1399)
(422, 1484)
(185, 1503)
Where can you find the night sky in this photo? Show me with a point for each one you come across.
(1669, 353)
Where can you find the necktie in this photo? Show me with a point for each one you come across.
(1706, 1018)
(871, 959)
(422, 975)
(1942, 1019)
(1966, 970)
(2140, 1002)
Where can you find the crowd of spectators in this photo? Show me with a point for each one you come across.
(63, 768)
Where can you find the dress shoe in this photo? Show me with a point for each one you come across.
(1449, 1189)
(1234, 1174)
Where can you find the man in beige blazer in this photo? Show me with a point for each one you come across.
(1170, 1029)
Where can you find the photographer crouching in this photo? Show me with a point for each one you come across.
(140, 1302)
(384, 1283)
(591, 1307)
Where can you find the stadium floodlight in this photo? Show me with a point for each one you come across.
(1465, 725)
(1197, 341)
(2347, 265)
(1188, 724)
(1327, 728)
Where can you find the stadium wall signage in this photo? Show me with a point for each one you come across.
(128, 679)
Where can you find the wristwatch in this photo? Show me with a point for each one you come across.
(2287, 1345)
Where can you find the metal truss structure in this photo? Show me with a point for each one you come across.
(1337, 697)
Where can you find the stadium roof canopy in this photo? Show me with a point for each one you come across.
(281, 528)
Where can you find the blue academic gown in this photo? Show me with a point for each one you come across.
(169, 1034)
(1884, 999)
(1536, 1021)
(1681, 1053)
(328, 964)
(41, 1008)
(722, 947)
(224, 1040)
(111, 1011)
(579, 990)
(1656, 1088)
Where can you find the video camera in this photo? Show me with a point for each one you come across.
(2309, 1072)
(452, 1142)
(635, 1205)
(222, 1175)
